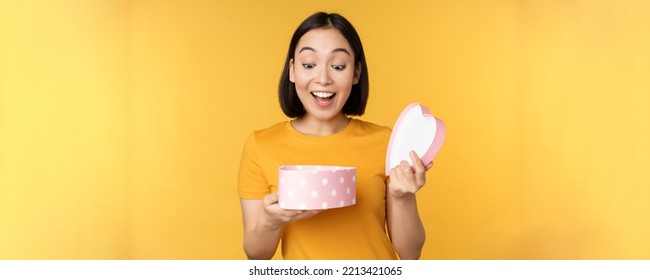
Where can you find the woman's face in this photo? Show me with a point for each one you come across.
(323, 71)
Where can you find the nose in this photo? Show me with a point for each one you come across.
(323, 76)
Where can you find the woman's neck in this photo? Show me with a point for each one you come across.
(314, 127)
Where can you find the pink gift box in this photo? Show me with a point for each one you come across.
(313, 187)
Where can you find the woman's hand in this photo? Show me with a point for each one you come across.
(405, 180)
(263, 225)
(278, 216)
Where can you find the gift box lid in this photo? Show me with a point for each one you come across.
(418, 130)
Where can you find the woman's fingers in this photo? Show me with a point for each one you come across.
(417, 162)
(405, 178)
(270, 199)
(402, 178)
(419, 169)
(305, 214)
(272, 208)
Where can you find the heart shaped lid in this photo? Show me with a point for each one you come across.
(415, 130)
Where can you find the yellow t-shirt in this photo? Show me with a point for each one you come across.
(353, 232)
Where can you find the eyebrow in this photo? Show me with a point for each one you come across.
(333, 51)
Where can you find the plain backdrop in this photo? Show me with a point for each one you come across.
(122, 122)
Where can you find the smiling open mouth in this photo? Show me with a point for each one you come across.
(323, 98)
(323, 94)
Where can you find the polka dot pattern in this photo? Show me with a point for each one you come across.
(308, 187)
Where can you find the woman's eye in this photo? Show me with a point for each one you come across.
(338, 67)
(308, 65)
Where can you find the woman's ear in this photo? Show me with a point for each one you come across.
(357, 73)
(291, 75)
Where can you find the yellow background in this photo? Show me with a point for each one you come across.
(122, 122)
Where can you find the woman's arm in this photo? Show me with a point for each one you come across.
(402, 218)
(263, 225)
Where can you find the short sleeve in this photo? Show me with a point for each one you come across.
(251, 182)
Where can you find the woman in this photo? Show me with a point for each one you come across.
(324, 81)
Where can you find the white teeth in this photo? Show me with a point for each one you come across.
(323, 94)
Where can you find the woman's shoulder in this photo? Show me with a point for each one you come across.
(270, 131)
(367, 127)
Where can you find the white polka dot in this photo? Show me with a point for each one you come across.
(314, 193)
(324, 205)
(291, 194)
(302, 206)
(333, 192)
(354, 201)
(354, 178)
(342, 203)
(341, 180)
(347, 190)
(324, 181)
(319, 167)
(303, 182)
(299, 166)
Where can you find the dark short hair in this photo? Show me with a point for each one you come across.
(356, 103)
